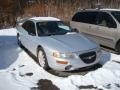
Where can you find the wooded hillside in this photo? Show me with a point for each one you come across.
(62, 9)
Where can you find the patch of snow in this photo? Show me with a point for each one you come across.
(7, 36)
(8, 32)
(38, 73)
(7, 83)
(105, 57)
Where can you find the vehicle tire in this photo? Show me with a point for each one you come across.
(42, 59)
(118, 48)
(18, 40)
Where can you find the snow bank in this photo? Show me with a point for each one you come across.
(8, 32)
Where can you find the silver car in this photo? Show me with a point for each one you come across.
(56, 45)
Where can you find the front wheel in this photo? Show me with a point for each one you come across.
(42, 60)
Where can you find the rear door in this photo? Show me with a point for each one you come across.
(29, 38)
(23, 30)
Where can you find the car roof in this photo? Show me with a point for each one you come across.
(110, 9)
(106, 9)
(38, 19)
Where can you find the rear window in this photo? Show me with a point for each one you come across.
(85, 17)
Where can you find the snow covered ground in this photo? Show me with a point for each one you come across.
(18, 71)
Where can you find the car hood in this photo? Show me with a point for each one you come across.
(73, 42)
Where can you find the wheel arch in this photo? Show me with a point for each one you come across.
(18, 34)
(118, 41)
(39, 46)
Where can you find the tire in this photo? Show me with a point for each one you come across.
(42, 59)
(18, 40)
(118, 48)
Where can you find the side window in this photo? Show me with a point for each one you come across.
(85, 17)
(42, 28)
(29, 26)
(89, 17)
(104, 19)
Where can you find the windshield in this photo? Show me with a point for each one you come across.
(116, 14)
(52, 28)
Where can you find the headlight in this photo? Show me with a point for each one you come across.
(65, 55)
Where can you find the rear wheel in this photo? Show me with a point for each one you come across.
(42, 60)
(118, 47)
(18, 40)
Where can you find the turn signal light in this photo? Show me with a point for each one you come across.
(62, 62)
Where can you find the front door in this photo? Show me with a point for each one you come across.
(105, 30)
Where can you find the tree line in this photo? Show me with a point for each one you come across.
(63, 9)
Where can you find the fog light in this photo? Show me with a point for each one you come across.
(68, 67)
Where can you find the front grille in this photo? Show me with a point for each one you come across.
(89, 57)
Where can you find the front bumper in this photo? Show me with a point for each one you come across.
(73, 64)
